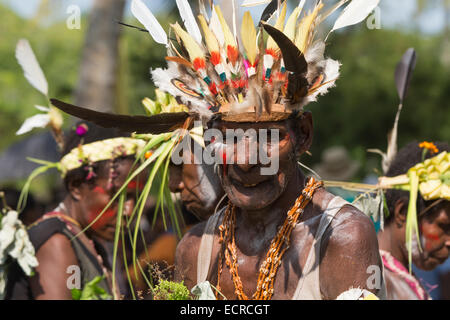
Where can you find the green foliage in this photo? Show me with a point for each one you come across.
(169, 290)
(91, 291)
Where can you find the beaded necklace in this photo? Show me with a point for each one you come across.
(279, 245)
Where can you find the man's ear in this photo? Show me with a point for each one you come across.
(304, 132)
(400, 211)
(75, 190)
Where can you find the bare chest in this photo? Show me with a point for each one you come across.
(248, 264)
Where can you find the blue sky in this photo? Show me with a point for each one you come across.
(394, 13)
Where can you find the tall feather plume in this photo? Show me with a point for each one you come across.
(214, 50)
(31, 68)
(216, 27)
(404, 71)
(194, 50)
(146, 17)
(260, 67)
(331, 10)
(271, 44)
(189, 20)
(234, 14)
(269, 11)
(355, 12)
(304, 34)
(202, 9)
(301, 5)
(289, 29)
(230, 40)
(403, 75)
(248, 36)
(211, 41)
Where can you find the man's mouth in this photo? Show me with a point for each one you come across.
(248, 184)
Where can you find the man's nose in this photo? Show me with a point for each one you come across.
(246, 154)
(175, 182)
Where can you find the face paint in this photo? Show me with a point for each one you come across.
(224, 159)
(133, 185)
(99, 190)
(209, 190)
(106, 217)
(428, 238)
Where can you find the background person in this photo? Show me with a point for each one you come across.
(434, 230)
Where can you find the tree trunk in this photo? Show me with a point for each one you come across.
(100, 60)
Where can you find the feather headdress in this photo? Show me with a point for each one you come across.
(292, 64)
(211, 71)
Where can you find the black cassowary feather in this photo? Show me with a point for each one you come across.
(295, 63)
(160, 123)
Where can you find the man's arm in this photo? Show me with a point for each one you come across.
(186, 256)
(350, 256)
(50, 279)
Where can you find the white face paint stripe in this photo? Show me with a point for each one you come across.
(210, 192)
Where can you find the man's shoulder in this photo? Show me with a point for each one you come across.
(45, 229)
(195, 233)
(190, 242)
(348, 221)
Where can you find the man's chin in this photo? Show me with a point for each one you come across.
(255, 201)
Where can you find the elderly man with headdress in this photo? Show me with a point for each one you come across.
(281, 235)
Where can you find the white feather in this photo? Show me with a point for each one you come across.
(43, 109)
(202, 8)
(301, 4)
(315, 52)
(189, 20)
(331, 72)
(148, 20)
(216, 28)
(234, 13)
(254, 3)
(37, 121)
(355, 12)
(163, 77)
(331, 10)
(31, 68)
(163, 80)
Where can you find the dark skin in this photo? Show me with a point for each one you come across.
(198, 185)
(434, 230)
(200, 191)
(349, 245)
(83, 202)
